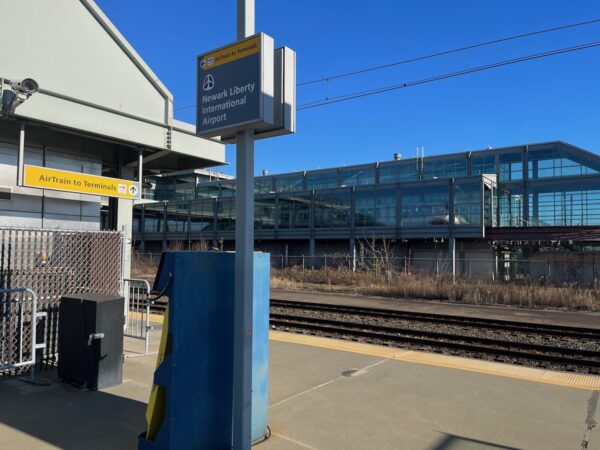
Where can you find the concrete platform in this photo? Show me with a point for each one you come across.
(361, 397)
(544, 316)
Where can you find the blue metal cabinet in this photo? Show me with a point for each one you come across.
(197, 370)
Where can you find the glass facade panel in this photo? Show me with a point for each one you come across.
(555, 162)
(375, 207)
(483, 164)
(210, 190)
(321, 180)
(565, 204)
(137, 218)
(294, 211)
(445, 168)
(489, 213)
(185, 188)
(356, 177)
(177, 217)
(425, 205)
(364, 208)
(202, 216)
(341, 208)
(510, 166)
(263, 185)
(289, 183)
(408, 172)
(385, 207)
(332, 209)
(264, 213)
(388, 174)
(467, 202)
(154, 218)
(227, 188)
(395, 173)
(433, 169)
(165, 189)
(226, 214)
(510, 203)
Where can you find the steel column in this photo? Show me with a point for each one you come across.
(244, 267)
(21, 155)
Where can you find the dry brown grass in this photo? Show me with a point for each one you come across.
(420, 286)
(144, 267)
(425, 286)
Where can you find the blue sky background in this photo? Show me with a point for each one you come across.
(556, 98)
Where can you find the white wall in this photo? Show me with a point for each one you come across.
(62, 46)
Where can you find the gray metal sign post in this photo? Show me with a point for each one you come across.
(244, 267)
(237, 101)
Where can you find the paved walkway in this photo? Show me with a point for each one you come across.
(326, 399)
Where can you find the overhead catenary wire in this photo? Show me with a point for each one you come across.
(449, 52)
(354, 95)
(441, 53)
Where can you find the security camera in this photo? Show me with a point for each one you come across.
(20, 91)
(26, 86)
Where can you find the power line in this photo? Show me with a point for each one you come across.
(444, 76)
(434, 55)
(448, 52)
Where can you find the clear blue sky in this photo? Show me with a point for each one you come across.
(550, 99)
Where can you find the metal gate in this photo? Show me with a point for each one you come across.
(18, 323)
(53, 263)
(137, 310)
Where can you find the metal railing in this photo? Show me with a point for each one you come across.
(137, 310)
(18, 330)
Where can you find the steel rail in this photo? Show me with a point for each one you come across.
(556, 330)
(494, 347)
(441, 335)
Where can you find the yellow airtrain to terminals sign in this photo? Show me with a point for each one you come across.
(231, 53)
(82, 183)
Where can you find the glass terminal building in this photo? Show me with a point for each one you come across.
(473, 204)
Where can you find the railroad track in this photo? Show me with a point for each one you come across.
(345, 325)
(510, 350)
(508, 325)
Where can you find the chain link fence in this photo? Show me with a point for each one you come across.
(54, 263)
(577, 270)
(582, 269)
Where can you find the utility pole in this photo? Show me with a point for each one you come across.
(244, 264)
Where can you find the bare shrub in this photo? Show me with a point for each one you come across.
(382, 253)
(200, 246)
(144, 266)
(176, 245)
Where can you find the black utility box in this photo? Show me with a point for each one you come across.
(90, 340)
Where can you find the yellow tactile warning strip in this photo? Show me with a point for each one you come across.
(154, 318)
(572, 380)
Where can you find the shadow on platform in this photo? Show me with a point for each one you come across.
(453, 442)
(37, 417)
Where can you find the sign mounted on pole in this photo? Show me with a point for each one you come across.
(284, 105)
(81, 183)
(235, 87)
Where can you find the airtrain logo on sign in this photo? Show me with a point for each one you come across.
(208, 83)
(82, 183)
(231, 86)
